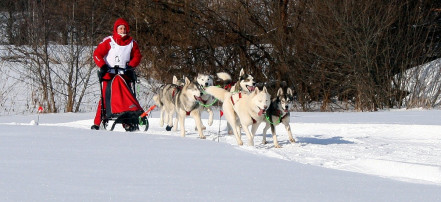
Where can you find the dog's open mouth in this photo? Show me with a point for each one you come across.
(261, 111)
(251, 88)
(198, 98)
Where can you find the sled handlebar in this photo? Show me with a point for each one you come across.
(117, 68)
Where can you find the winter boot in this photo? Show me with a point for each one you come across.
(95, 127)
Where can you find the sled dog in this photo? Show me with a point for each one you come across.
(278, 112)
(245, 84)
(165, 99)
(203, 81)
(207, 100)
(247, 109)
(187, 103)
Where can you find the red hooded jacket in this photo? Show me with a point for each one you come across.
(103, 48)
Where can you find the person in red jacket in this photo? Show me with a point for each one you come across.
(117, 50)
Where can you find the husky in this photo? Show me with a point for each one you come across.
(207, 100)
(278, 112)
(245, 84)
(247, 109)
(187, 103)
(165, 99)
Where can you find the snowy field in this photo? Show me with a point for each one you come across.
(348, 156)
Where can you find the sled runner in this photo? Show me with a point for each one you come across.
(121, 104)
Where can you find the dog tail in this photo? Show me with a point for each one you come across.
(157, 101)
(217, 92)
(224, 77)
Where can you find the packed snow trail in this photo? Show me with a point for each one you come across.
(400, 145)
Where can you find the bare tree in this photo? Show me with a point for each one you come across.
(330, 52)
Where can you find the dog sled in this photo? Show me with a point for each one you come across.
(121, 105)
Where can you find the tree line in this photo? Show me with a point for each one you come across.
(344, 54)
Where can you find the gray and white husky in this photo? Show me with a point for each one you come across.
(278, 112)
(242, 108)
(187, 103)
(207, 100)
(165, 100)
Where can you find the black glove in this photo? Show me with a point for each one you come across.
(130, 72)
(103, 70)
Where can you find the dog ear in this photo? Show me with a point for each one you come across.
(175, 80)
(264, 90)
(289, 92)
(187, 81)
(280, 92)
(242, 72)
(256, 91)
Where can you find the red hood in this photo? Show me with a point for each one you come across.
(119, 22)
(121, 40)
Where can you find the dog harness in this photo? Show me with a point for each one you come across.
(232, 100)
(178, 88)
(240, 96)
(228, 86)
(279, 114)
(192, 108)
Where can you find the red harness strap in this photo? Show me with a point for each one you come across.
(279, 114)
(174, 90)
(228, 87)
(284, 116)
(240, 96)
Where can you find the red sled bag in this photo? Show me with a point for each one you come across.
(122, 105)
(120, 98)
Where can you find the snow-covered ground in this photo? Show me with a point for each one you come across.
(391, 156)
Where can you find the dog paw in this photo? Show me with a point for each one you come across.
(292, 140)
(168, 128)
(203, 137)
(264, 142)
(210, 123)
(277, 146)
